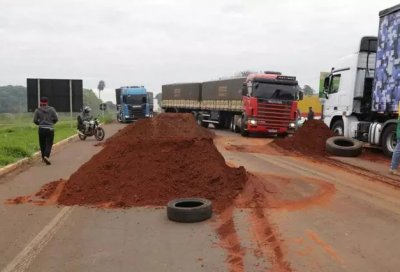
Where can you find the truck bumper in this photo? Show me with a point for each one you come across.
(268, 130)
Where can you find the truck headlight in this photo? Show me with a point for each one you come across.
(126, 116)
(292, 125)
(253, 122)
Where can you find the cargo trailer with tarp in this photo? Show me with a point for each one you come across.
(181, 97)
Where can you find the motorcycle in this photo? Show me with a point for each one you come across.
(94, 129)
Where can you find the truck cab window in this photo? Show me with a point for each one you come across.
(334, 88)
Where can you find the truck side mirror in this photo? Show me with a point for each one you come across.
(326, 83)
(301, 95)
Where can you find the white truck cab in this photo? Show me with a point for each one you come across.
(350, 108)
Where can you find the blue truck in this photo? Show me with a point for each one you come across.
(133, 103)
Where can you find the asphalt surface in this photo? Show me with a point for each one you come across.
(351, 226)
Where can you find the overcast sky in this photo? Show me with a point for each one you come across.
(152, 43)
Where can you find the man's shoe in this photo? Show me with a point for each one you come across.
(46, 160)
(393, 172)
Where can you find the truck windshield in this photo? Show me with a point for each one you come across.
(134, 99)
(274, 91)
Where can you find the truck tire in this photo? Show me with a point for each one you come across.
(343, 146)
(244, 132)
(231, 124)
(189, 210)
(218, 126)
(338, 128)
(200, 122)
(389, 140)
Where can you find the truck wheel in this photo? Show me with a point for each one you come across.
(236, 128)
(244, 132)
(231, 124)
(343, 146)
(338, 128)
(189, 210)
(200, 122)
(219, 126)
(389, 140)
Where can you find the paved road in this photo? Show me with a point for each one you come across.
(327, 219)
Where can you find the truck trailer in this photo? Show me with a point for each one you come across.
(133, 103)
(363, 89)
(260, 103)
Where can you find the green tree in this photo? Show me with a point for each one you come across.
(101, 86)
(13, 99)
(308, 90)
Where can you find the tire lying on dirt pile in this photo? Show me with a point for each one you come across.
(343, 146)
(189, 210)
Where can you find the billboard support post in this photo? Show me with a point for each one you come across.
(70, 100)
(38, 87)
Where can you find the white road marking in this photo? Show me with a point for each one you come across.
(22, 261)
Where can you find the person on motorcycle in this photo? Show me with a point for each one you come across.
(84, 120)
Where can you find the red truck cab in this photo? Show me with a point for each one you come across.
(270, 104)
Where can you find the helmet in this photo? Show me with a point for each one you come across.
(86, 109)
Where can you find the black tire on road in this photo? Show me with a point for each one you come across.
(389, 140)
(100, 134)
(189, 210)
(82, 137)
(343, 146)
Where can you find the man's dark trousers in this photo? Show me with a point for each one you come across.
(46, 138)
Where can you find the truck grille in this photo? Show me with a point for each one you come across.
(274, 115)
(137, 112)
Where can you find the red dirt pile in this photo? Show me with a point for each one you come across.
(150, 163)
(309, 139)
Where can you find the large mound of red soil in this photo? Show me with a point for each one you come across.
(309, 139)
(153, 161)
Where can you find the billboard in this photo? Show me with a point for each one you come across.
(58, 91)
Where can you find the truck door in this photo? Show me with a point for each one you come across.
(331, 105)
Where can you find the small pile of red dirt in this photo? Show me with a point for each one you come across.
(152, 162)
(310, 139)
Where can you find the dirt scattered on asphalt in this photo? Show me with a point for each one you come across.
(309, 139)
(230, 240)
(257, 195)
(375, 155)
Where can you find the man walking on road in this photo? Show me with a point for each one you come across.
(396, 152)
(310, 115)
(45, 117)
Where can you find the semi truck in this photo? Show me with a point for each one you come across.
(133, 103)
(259, 103)
(363, 89)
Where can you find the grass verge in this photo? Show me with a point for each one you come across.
(19, 141)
